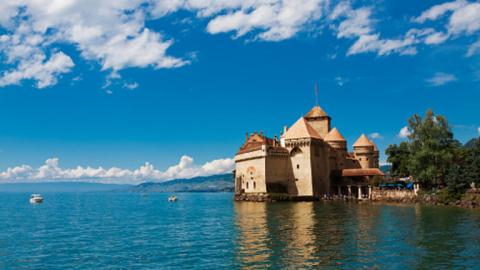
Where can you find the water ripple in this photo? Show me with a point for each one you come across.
(210, 231)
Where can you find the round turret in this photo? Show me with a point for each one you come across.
(364, 151)
(336, 140)
(319, 120)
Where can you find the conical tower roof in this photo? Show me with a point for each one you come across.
(301, 129)
(363, 141)
(334, 135)
(316, 112)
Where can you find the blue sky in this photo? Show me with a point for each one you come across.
(152, 81)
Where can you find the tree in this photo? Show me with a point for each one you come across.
(474, 163)
(432, 148)
(458, 177)
(399, 157)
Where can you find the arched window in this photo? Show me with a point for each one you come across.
(254, 185)
(247, 185)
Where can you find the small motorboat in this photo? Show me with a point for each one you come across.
(36, 198)
(172, 198)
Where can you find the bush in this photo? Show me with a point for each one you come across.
(447, 195)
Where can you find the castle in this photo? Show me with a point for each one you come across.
(309, 161)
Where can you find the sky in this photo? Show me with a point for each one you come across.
(129, 91)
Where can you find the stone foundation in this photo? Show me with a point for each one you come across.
(271, 197)
(393, 195)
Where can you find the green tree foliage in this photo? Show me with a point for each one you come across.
(432, 148)
(458, 176)
(473, 163)
(433, 157)
(399, 157)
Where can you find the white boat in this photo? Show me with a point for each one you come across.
(172, 198)
(36, 198)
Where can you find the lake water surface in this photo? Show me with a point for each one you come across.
(209, 231)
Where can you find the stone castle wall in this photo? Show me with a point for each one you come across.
(393, 195)
(250, 173)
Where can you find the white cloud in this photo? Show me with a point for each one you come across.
(115, 33)
(276, 20)
(358, 24)
(478, 129)
(474, 48)
(131, 86)
(441, 78)
(44, 72)
(51, 171)
(375, 135)
(404, 132)
(436, 38)
(463, 18)
(112, 33)
(435, 12)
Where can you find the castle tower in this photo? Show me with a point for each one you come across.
(309, 161)
(336, 140)
(338, 149)
(364, 152)
(319, 120)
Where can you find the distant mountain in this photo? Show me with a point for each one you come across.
(214, 183)
(471, 143)
(60, 187)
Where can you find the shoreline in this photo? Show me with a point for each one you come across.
(469, 200)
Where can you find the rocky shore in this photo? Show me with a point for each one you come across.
(471, 199)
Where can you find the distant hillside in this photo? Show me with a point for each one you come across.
(471, 143)
(214, 183)
(60, 187)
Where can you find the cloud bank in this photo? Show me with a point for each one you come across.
(51, 171)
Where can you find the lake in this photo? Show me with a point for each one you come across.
(108, 230)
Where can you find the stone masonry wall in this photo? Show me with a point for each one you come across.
(393, 195)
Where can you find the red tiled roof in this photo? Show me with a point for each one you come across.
(255, 142)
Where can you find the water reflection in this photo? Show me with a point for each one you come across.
(346, 236)
(287, 235)
(251, 221)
